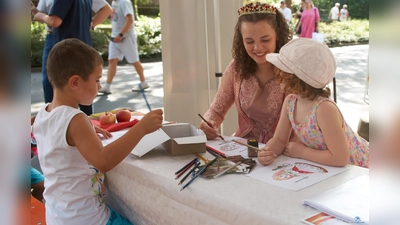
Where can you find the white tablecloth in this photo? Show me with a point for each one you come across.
(145, 191)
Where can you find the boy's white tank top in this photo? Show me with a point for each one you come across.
(74, 189)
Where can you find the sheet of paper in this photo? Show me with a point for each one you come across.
(147, 143)
(348, 202)
(323, 219)
(150, 141)
(294, 174)
(230, 148)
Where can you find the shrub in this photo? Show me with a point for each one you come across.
(148, 33)
(351, 31)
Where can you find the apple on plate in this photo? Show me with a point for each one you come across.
(123, 115)
(107, 118)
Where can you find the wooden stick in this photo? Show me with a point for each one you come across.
(255, 148)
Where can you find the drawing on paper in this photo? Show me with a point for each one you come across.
(299, 169)
(230, 146)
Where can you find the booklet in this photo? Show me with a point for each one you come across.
(323, 219)
(348, 202)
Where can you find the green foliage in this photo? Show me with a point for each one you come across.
(38, 35)
(149, 35)
(358, 9)
(352, 31)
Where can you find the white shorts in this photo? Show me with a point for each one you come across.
(126, 48)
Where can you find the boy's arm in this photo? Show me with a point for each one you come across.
(80, 133)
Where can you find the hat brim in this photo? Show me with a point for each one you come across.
(276, 61)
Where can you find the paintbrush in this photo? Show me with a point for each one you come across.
(255, 148)
(226, 170)
(209, 124)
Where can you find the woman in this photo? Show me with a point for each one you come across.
(309, 20)
(249, 80)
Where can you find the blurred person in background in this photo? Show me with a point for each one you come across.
(334, 13)
(309, 20)
(72, 19)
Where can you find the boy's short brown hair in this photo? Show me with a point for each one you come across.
(71, 57)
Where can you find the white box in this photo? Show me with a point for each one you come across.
(184, 139)
(177, 139)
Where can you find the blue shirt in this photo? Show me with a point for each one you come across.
(76, 16)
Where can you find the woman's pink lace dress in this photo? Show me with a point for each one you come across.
(258, 107)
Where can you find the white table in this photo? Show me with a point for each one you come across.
(145, 191)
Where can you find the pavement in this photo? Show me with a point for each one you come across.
(351, 74)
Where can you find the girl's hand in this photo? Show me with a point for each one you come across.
(210, 132)
(294, 149)
(103, 132)
(266, 157)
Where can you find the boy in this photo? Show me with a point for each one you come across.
(71, 155)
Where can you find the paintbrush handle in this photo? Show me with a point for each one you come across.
(255, 148)
(209, 124)
(226, 170)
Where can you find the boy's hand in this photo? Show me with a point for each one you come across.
(151, 121)
(103, 132)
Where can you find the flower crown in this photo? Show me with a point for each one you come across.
(256, 8)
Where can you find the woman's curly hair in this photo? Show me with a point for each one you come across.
(295, 85)
(245, 66)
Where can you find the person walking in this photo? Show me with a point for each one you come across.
(309, 20)
(334, 13)
(344, 14)
(123, 44)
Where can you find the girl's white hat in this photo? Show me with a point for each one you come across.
(310, 60)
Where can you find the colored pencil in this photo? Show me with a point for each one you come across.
(201, 157)
(184, 178)
(226, 170)
(189, 164)
(255, 148)
(209, 124)
(215, 152)
(199, 172)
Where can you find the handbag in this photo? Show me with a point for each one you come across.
(315, 35)
(316, 22)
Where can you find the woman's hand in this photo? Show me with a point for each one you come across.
(210, 132)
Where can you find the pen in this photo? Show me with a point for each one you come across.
(189, 164)
(209, 124)
(226, 170)
(184, 178)
(199, 172)
(255, 148)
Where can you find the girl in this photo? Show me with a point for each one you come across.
(248, 82)
(304, 68)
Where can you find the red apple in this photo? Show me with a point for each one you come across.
(107, 118)
(123, 115)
